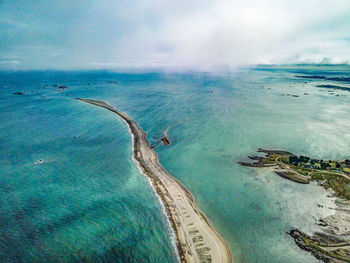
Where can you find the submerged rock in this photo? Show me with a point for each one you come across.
(325, 247)
(311, 77)
(165, 141)
(345, 79)
(328, 86)
(341, 78)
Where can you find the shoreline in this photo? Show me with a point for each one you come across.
(331, 243)
(196, 240)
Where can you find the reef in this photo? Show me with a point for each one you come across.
(334, 87)
(341, 78)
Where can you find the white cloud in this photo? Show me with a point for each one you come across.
(204, 35)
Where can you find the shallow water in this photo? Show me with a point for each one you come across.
(87, 201)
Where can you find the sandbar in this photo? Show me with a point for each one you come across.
(196, 239)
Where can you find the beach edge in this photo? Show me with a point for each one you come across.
(197, 241)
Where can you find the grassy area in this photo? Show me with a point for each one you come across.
(331, 174)
(339, 184)
(339, 253)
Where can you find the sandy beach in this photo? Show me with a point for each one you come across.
(196, 239)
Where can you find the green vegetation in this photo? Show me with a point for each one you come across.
(338, 253)
(340, 185)
(331, 174)
(328, 173)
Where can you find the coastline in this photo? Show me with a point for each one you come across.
(196, 239)
(331, 242)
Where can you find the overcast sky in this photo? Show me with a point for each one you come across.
(171, 35)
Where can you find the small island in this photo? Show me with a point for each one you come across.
(334, 174)
(165, 141)
(333, 243)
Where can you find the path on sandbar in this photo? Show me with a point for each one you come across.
(196, 239)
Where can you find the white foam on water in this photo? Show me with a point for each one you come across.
(166, 217)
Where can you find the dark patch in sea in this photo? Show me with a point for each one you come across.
(328, 86)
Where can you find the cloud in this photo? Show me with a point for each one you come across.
(172, 35)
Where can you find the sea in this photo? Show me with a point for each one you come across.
(71, 192)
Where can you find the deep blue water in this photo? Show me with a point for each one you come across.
(86, 201)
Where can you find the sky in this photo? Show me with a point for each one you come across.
(204, 35)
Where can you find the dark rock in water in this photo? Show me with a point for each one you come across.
(18, 93)
(328, 86)
(306, 94)
(321, 222)
(259, 161)
(63, 87)
(310, 77)
(345, 79)
(165, 141)
(325, 247)
(342, 79)
(54, 85)
(299, 240)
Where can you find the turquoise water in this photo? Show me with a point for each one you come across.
(87, 201)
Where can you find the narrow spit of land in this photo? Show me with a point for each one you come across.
(196, 239)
